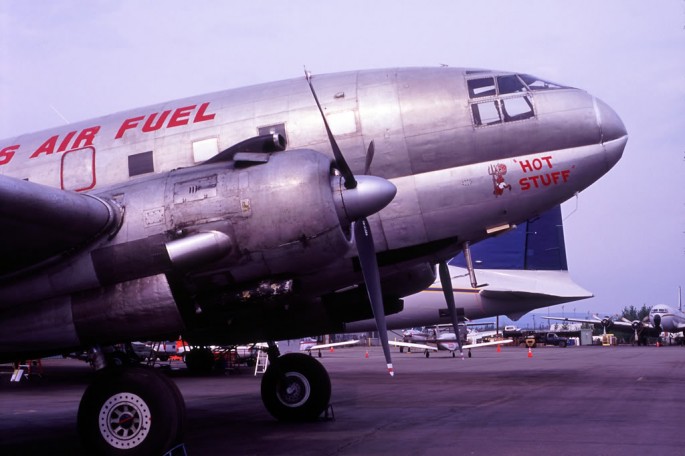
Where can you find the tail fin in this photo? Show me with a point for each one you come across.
(537, 244)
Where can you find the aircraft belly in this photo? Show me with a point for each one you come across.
(138, 309)
(127, 311)
(44, 325)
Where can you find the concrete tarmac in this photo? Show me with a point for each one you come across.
(570, 401)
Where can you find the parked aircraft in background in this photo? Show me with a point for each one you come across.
(662, 318)
(446, 341)
(442, 338)
(234, 217)
(312, 344)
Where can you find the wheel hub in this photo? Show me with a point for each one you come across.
(124, 420)
(295, 391)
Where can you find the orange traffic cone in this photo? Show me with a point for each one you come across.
(499, 348)
(332, 350)
(530, 353)
(367, 354)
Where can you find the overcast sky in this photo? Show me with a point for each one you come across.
(625, 235)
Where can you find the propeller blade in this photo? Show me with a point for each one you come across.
(448, 291)
(340, 163)
(367, 258)
(369, 157)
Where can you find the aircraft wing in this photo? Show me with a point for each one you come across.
(42, 223)
(431, 347)
(488, 344)
(335, 344)
(595, 321)
(412, 345)
(517, 295)
(621, 324)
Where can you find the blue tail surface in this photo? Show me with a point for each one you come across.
(537, 245)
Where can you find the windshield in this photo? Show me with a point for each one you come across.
(535, 83)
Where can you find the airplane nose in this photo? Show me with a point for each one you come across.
(610, 124)
(613, 132)
(657, 320)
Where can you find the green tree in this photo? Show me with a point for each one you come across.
(632, 313)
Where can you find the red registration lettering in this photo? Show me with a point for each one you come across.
(85, 138)
(48, 147)
(127, 125)
(201, 116)
(181, 116)
(7, 153)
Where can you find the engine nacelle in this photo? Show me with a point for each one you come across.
(217, 225)
(279, 217)
(607, 322)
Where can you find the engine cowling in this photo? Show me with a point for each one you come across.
(217, 225)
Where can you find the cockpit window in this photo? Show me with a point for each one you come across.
(535, 83)
(483, 87)
(510, 84)
(502, 99)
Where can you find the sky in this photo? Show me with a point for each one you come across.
(625, 235)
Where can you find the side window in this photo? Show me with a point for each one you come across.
(486, 113)
(484, 87)
(517, 108)
(140, 164)
(205, 149)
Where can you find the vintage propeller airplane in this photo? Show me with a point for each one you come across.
(234, 217)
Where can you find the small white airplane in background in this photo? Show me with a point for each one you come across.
(311, 343)
(447, 341)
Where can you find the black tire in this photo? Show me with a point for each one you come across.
(131, 411)
(117, 359)
(296, 387)
(199, 360)
(562, 344)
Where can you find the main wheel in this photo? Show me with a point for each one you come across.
(296, 387)
(131, 411)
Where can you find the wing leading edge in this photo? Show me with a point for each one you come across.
(40, 223)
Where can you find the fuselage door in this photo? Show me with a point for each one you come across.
(78, 169)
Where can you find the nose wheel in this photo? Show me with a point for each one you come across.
(296, 387)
